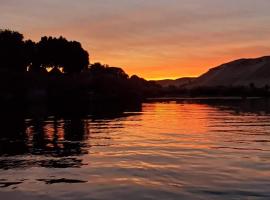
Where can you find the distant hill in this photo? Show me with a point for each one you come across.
(181, 82)
(243, 72)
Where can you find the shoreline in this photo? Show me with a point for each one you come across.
(202, 98)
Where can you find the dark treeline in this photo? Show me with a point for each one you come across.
(217, 91)
(58, 71)
(55, 71)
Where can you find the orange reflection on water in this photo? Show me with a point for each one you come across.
(169, 125)
(190, 117)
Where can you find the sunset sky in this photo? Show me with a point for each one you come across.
(154, 39)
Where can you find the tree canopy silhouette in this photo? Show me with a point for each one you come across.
(60, 53)
(50, 52)
(95, 82)
(14, 51)
(99, 69)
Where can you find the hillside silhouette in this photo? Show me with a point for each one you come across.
(243, 72)
(243, 77)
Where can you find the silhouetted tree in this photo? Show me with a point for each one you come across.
(60, 53)
(14, 51)
(116, 72)
(29, 52)
(97, 82)
(77, 58)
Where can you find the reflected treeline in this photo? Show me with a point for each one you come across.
(56, 135)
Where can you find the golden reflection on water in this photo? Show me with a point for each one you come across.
(169, 125)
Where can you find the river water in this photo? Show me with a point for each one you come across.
(161, 150)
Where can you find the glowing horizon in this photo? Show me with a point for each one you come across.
(154, 39)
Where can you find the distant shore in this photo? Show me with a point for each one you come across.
(201, 98)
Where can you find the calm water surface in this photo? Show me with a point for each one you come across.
(163, 150)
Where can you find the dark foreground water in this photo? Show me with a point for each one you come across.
(173, 150)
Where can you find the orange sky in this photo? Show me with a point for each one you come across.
(154, 39)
